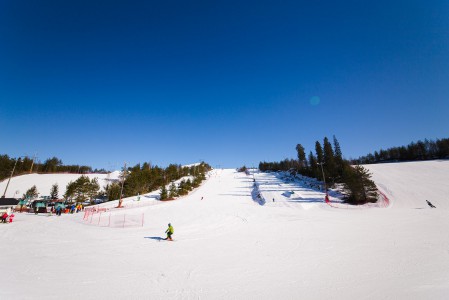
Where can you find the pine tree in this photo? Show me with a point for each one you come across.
(31, 193)
(301, 155)
(339, 162)
(337, 150)
(54, 191)
(173, 191)
(113, 191)
(314, 172)
(92, 188)
(360, 189)
(163, 194)
(319, 152)
(182, 188)
(70, 190)
(329, 161)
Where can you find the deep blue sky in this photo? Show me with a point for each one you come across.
(229, 82)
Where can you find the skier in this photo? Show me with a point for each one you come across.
(430, 204)
(58, 210)
(169, 232)
(4, 217)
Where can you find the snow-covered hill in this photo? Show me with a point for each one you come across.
(20, 184)
(228, 246)
(410, 184)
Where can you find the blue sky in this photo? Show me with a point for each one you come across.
(228, 82)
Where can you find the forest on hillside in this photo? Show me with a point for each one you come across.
(328, 165)
(415, 151)
(27, 165)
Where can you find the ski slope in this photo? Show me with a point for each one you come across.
(229, 246)
(20, 184)
(410, 184)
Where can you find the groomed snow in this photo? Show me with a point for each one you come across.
(228, 246)
(20, 184)
(410, 184)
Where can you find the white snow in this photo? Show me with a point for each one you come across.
(409, 184)
(228, 246)
(20, 184)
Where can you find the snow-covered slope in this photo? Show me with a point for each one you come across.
(410, 184)
(20, 184)
(228, 246)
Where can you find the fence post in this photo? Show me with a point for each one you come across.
(124, 215)
(99, 218)
(109, 225)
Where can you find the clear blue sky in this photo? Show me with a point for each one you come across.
(229, 82)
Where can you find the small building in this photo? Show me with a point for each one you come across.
(8, 203)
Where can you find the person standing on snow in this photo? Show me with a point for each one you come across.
(169, 232)
(58, 210)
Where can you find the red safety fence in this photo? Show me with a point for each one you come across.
(119, 220)
(382, 202)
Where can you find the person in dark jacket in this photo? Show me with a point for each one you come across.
(430, 204)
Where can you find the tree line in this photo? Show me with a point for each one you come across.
(139, 179)
(328, 160)
(415, 151)
(142, 179)
(26, 165)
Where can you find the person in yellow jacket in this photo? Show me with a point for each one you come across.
(169, 232)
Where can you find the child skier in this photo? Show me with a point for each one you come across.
(169, 232)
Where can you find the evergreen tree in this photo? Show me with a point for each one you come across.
(182, 188)
(82, 189)
(163, 194)
(52, 164)
(360, 189)
(339, 162)
(337, 149)
(70, 191)
(54, 191)
(301, 155)
(329, 161)
(313, 165)
(319, 152)
(92, 189)
(31, 193)
(113, 191)
(173, 191)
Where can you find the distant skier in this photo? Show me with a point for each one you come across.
(430, 204)
(169, 232)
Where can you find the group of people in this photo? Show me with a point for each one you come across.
(7, 217)
(69, 209)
